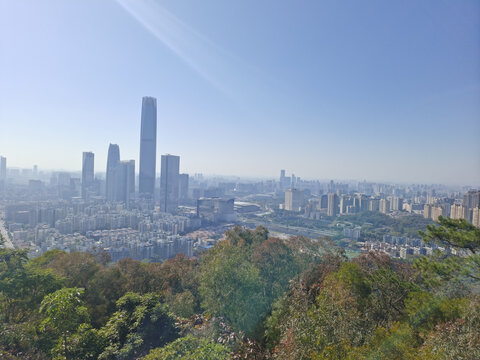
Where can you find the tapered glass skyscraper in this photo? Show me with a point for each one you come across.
(148, 146)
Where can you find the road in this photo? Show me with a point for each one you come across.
(3, 231)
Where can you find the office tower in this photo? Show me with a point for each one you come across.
(148, 146)
(183, 186)
(332, 205)
(3, 168)
(3, 175)
(124, 187)
(169, 183)
(293, 199)
(87, 172)
(112, 162)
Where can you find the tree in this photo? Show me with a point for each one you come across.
(140, 323)
(190, 348)
(22, 287)
(457, 233)
(64, 314)
(231, 287)
(443, 267)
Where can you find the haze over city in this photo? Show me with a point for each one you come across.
(383, 91)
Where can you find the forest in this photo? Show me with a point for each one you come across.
(251, 296)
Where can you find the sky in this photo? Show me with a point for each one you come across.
(344, 89)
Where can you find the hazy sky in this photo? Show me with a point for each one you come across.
(376, 90)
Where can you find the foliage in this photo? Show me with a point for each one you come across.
(231, 287)
(140, 323)
(457, 233)
(189, 348)
(249, 297)
(22, 288)
(64, 314)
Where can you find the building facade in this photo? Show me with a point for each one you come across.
(169, 183)
(148, 147)
(112, 162)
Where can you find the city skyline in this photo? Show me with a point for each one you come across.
(328, 99)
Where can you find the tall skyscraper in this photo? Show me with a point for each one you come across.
(87, 173)
(169, 183)
(3, 168)
(183, 186)
(148, 146)
(125, 181)
(112, 162)
(3, 175)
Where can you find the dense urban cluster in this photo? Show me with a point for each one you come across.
(168, 265)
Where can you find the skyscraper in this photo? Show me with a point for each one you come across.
(112, 162)
(3, 168)
(125, 181)
(3, 175)
(87, 172)
(148, 146)
(183, 186)
(169, 183)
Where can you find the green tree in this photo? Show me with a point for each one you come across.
(441, 268)
(64, 313)
(190, 348)
(140, 323)
(231, 287)
(22, 287)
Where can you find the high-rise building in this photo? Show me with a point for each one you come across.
(384, 206)
(471, 199)
(3, 175)
(427, 211)
(87, 173)
(459, 212)
(293, 199)
(476, 217)
(148, 146)
(396, 203)
(169, 183)
(439, 210)
(3, 168)
(285, 181)
(332, 208)
(112, 162)
(345, 200)
(125, 181)
(374, 205)
(183, 186)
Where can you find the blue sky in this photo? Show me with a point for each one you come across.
(376, 90)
